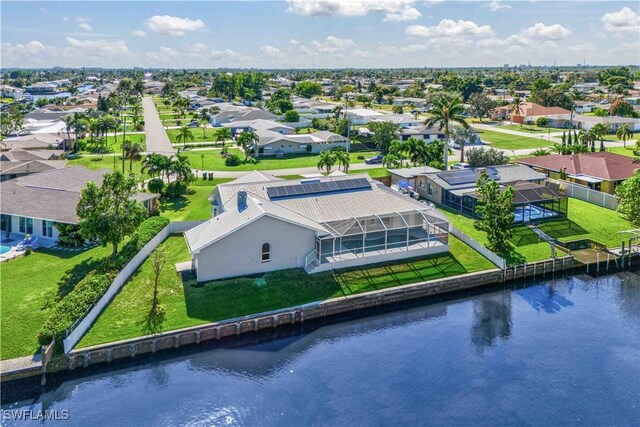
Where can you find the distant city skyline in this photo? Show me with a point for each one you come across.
(319, 34)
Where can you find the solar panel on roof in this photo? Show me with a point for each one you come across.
(317, 187)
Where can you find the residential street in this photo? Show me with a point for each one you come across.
(157, 139)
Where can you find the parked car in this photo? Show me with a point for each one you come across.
(193, 124)
(460, 166)
(374, 160)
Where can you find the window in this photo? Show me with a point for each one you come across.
(47, 228)
(429, 190)
(266, 252)
(26, 225)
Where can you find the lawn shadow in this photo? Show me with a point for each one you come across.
(562, 228)
(176, 204)
(523, 236)
(75, 274)
(154, 320)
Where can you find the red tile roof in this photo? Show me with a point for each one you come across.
(603, 165)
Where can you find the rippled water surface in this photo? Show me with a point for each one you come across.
(560, 352)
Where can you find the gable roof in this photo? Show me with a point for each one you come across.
(604, 165)
(234, 219)
(31, 166)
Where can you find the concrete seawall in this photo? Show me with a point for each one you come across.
(84, 357)
(105, 353)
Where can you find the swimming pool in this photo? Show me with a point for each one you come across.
(4, 249)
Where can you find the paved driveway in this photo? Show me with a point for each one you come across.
(157, 139)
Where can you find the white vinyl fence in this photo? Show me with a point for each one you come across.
(81, 327)
(585, 193)
(491, 256)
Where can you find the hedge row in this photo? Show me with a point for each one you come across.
(91, 288)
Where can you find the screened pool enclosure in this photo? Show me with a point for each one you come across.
(379, 235)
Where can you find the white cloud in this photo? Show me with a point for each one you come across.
(270, 50)
(197, 47)
(394, 10)
(85, 26)
(540, 31)
(224, 54)
(138, 33)
(172, 25)
(625, 20)
(407, 14)
(448, 28)
(332, 44)
(100, 47)
(495, 6)
(294, 42)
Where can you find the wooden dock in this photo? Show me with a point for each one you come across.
(20, 367)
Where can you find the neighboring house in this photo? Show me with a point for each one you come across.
(317, 224)
(409, 174)
(273, 143)
(402, 120)
(431, 133)
(587, 122)
(230, 113)
(258, 125)
(406, 101)
(42, 88)
(7, 91)
(361, 116)
(531, 111)
(457, 190)
(33, 204)
(42, 141)
(584, 106)
(16, 169)
(22, 155)
(313, 107)
(601, 171)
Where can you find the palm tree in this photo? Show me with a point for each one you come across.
(600, 130)
(184, 135)
(342, 158)
(624, 134)
(245, 140)
(444, 113)
(326, 160)
(126, 149)
(516, 107)
(132, 151)
(398, 149)
(203, 117)
(461, 136)
(416, 150)
(587, 138)
(69, 122)
(390, 161)
(224, 134)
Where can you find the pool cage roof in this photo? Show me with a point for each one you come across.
(355, 226)
(529, 192)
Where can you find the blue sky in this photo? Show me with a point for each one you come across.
(318, 33)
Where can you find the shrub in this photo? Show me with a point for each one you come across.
(176, 189)
(232, 160)
(291, 116)
(542, 122)
(91, 288)
(482, 157)
(69, 235)
(155, 185)
(28, 250)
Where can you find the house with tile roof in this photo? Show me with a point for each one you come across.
(317, 224)
(530, 112)
(601, 171)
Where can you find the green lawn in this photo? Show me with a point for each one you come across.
(373, 173)
(585, 220)
(199, 134)
(104, 162)
(114, 144)
(189, 303)
(530, 128)
(30, 285)
(210, 160)
(512, 142)
(193, 206)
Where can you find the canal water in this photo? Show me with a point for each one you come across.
(564, 351)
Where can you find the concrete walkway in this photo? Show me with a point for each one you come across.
(14, 367)
(157, 139)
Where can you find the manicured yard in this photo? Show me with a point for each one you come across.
(30, 285)
(199, 134)
(373, 173)
(114, 144)
(189, 303)
(529, 128)
(507, 141)
(585, 220)
(210, 160)
(104, 162)
(193, 206)
(624, 151)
